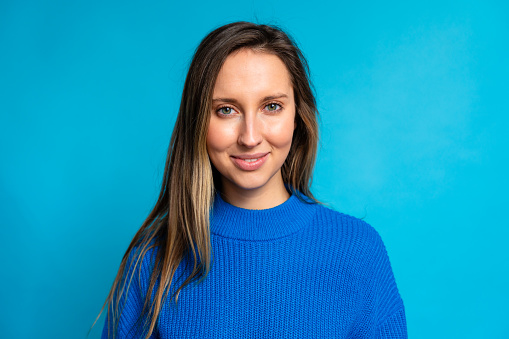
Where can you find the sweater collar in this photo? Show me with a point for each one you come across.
(243, 224)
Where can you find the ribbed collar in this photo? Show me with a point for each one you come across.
(239, 223)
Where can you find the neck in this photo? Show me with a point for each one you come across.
(269, 195)
(261, 224)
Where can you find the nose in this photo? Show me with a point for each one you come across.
(250, 134)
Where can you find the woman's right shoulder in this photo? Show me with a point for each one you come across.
(143, 254)
(141, 261)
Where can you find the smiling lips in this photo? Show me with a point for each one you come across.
(249, 162)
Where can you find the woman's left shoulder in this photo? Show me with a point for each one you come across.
(347, 225)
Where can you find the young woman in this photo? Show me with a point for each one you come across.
(236, 246)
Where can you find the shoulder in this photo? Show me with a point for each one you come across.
(347, 227)
(355, 253)
(142, 255)
(140, 263)
(349, 241)
(359, 249)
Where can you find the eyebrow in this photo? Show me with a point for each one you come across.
(267, 98)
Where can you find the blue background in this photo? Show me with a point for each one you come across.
(414, 115)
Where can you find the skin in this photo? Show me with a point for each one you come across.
(253, 112)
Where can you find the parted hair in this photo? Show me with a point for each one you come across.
(178, 226)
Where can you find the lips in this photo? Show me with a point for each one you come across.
(249, 162)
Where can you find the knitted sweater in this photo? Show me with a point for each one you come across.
(297, 270)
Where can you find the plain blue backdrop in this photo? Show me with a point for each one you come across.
(414, 120)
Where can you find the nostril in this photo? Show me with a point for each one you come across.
(249, 136)
(249, 140)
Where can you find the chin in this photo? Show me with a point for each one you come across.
(249, 186)
(253, 182)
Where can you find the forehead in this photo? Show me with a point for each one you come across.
(252, 72)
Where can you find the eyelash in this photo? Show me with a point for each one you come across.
(270, 103)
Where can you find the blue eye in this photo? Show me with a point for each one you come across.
(272, 107)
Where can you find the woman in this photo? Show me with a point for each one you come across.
(236, 246)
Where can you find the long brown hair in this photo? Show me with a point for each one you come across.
(178, 225)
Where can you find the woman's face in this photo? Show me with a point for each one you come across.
(251, 124)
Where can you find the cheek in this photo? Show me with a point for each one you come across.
(214, 147)
(219, 136)
(282, 133)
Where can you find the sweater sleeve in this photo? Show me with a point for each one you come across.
(390, 311)
(394, 326)
(382, 314)
(130, 323)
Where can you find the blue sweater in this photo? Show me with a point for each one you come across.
(297, 270)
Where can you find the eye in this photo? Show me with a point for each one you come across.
(273, 107)
(225, 110)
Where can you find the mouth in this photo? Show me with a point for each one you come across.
(249, 162)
